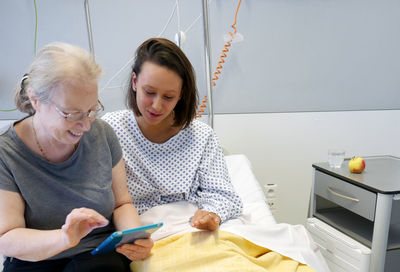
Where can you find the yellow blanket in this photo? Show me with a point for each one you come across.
(214, 251)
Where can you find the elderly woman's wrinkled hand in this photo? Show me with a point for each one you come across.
(137, 251)
(79, 223)
(205, 220)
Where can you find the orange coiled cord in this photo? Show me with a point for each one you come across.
(220, 62)
(226, 48)
(203, 105)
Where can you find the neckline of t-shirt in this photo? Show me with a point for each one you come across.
(37, 157)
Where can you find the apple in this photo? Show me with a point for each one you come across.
(356, 165)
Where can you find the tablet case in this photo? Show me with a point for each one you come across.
(125, 236)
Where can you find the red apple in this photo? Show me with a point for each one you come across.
(356, 165)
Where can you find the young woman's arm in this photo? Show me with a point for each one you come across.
(126, 216)
(215, 195)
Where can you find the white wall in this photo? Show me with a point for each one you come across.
(4, 122)
(283, 146)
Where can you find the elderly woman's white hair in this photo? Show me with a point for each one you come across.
(57, 63)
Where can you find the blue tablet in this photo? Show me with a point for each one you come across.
(119, 238)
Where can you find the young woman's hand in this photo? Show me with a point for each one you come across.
(205, 220)
(137, 251)
(79, 223)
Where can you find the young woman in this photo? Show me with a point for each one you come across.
(168, 155)
(62, 177)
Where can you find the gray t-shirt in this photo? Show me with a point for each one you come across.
(51, 191)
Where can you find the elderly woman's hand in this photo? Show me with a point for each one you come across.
(79, 223)
(137, 251)
(205, 220)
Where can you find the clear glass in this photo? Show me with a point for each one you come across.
(335, 157)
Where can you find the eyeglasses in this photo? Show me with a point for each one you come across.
(78, 116)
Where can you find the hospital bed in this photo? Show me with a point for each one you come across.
(252, 242)
(179, 247)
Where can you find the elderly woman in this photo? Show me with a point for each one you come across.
(62, 177)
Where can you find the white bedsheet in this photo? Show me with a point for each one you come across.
(256, 224)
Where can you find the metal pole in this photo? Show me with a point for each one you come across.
(208, 66)
(380, 232)
(89, 27)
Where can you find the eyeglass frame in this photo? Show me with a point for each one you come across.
(81, 114)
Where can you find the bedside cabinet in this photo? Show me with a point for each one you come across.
(365, 207)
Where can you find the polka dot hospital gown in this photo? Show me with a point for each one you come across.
(190, 166)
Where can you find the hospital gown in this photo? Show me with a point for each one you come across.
(188, 167)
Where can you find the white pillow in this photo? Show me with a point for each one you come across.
(248, 188)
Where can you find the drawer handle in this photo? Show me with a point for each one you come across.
(342, 196)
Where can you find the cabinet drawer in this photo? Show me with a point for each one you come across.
(347, 195)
